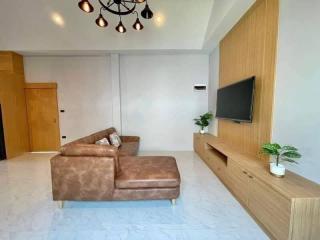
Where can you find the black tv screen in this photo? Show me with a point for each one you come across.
(235, 102)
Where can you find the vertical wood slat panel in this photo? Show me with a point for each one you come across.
(249, 49)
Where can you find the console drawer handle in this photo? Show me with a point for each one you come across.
(250, 176)
(244, 172)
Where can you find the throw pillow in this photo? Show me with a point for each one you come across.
(115, 139)
(103, 141)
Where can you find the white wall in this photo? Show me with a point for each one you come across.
(157, 103)
(158, 100)
(224, 15)
(84, 91)
(214, 63)
(297, 95)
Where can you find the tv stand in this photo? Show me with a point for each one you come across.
(287, 208)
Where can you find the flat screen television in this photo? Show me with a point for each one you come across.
(235, 102)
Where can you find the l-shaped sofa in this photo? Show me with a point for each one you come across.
(85, 171)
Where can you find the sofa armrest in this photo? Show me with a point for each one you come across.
(82, 178)
(92, 150)
(130, 139)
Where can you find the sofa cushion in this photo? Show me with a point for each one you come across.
(148, 172)
(91, 139)
(115, 139)
(128, 149)
(103, 141)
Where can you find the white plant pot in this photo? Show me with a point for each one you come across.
(278, 171)
(202, 131)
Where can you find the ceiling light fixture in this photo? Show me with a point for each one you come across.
(159, 19)
(85, 6)
(146, 12)
(120, 8)
(101, 22)
(57, 19)
(121, 28)
(137, 25)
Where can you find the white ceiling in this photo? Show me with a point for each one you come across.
(187, 25)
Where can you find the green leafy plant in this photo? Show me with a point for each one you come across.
(282, 153)
(204, 120)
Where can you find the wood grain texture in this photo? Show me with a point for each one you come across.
(12, 100)
(11, 62)
(286, 208)
(6, 61)
(41, 85)
(306, 219)
(216, 162)
(292, 186)
(239, 181)
(249, 49)
(270, 208)
(198, 144)
(43, 116)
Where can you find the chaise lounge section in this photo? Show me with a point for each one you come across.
(84, 171)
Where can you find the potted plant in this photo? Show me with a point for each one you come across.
(203, 121)
(280, 154)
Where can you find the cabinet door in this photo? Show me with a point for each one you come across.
(238, 181)
(198, 145)
(217, 163)
(270, 208)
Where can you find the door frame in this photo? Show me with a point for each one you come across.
(3, 153)
(51, 85)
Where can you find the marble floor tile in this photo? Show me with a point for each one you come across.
(205, 210)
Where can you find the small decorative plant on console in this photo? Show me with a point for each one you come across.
(280, 153)
(203, 121)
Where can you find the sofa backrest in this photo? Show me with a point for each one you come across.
(91, 139)
(86, 147)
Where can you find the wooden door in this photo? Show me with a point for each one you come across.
(43, 116)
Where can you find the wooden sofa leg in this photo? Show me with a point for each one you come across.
(61, 204)
(173, 201)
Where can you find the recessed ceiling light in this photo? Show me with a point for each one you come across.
(159, 19)
(57, 19)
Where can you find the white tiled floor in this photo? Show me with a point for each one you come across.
(205, 209)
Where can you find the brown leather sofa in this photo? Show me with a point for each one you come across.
(129, 146)
(84, 171)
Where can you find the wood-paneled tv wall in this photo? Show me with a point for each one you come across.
(249, 49)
